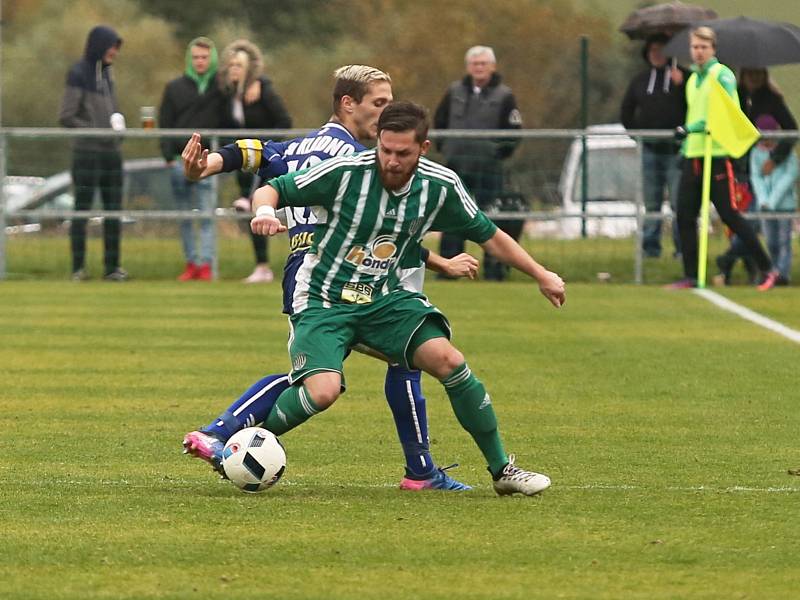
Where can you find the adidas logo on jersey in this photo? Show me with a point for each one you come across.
(392, 212)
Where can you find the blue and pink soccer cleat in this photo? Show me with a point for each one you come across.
(205, 446)
(439, 480)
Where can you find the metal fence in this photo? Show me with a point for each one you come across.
(547, 171)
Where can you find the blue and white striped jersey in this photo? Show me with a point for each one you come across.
(269, 159)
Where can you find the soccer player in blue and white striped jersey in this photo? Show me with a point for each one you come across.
(360, 95)
(377, 206)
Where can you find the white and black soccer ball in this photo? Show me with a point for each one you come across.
(253, 459)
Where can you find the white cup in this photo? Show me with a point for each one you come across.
(118, 122)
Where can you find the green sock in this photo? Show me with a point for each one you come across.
(292, 408)
(474, 411)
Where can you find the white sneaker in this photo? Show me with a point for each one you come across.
(514, 480)
(260, 274)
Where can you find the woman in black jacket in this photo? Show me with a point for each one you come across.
(241, 66)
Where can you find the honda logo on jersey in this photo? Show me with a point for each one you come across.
(375, 259)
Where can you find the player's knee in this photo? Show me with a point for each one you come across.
(447, 361)
(324, 389)
(452, 359)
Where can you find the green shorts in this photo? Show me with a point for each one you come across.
(320, 338)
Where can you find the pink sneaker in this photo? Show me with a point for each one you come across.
(206, 447)
(261, 274)
(770, 281)
(683, 284)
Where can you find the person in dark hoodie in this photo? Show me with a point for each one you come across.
(193, 101)
(241, 66)
(479, 101)
(90, 101)
(656, 99)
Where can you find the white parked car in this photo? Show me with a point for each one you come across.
(613, 185)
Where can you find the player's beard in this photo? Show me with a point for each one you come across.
(395, 180)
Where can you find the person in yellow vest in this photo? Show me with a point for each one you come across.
(706, 68)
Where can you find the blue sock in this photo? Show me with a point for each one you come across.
(250, 409)
(404, 395)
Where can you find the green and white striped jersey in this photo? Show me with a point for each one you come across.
(366, 235)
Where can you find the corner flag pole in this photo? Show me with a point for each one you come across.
(702, 253)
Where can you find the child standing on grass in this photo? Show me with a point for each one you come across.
(775, 192)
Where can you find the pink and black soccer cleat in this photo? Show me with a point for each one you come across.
(205, 446)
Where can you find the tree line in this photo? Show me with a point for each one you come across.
(421, 43)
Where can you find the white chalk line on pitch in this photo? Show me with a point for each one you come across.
(749, 315)
(599, 487)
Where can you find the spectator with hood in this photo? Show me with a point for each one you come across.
(90, 101)
(193, 101)
(758, 96)
(241, 69)
(656, 99)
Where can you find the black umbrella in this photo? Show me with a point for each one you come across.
(743, 42)
(663, 18)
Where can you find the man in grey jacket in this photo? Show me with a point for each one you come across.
(89, 101)
(479, 101)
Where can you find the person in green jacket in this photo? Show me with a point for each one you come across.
(706, 68)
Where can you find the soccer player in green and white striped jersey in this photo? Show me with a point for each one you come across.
(373, 209)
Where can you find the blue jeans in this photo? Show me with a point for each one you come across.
(779, 243)
(198, 196)
(660, 173)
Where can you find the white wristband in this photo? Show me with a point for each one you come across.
(265, 210)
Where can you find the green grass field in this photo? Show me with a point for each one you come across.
(666, 425)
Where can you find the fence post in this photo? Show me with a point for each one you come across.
(641, 209)
(2, 206)
(213, 210)
(584, 125)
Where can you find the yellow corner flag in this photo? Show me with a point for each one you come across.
(727, 124)
(729, 127)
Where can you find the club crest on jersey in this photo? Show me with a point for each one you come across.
(299, 361)
(415, 225)
(377, 258)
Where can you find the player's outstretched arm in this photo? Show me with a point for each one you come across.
(197, 162)
(463, 265)
(265, 201)
(503, 247)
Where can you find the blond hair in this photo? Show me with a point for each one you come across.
(705, 33)
(355, 81)
(252, 60)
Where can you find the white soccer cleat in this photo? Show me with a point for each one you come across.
(513, 480)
